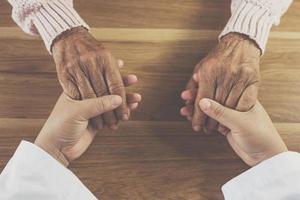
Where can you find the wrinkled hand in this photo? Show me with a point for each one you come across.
(67, 133)
(229, 74)
(87, 70)
(252, 134)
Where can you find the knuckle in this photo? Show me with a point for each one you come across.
(247, 104)
(101, 105)
(116, 88)
(233, 73)
(244, 108)
(226, 88)
(210, 63)
(69, 66)
(250, 76)
(105, 52)
(219, 111)
(72, 92)
(87, 56)
(67, 69)
(101, 92)
(248, 71)
(88, 94)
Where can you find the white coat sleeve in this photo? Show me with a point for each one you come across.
(277, 178)
(32, 174)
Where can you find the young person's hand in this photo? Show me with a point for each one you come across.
(229, 74)
(67, 133)
(251, 134)
(86, 69)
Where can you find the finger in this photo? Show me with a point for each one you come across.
(69, 87)
(206, 90)
(211, 125)
(248, 98)
(195, 77)
(222, 92)
(187, 111)
(116, 87)
(100, 89)
(87, 92)
(133, 106)
(220, 113)
(93, 107)
(120, 63)
(129, 80)
(189, 95)
(133, 98)
(191, 85)
(232, 100)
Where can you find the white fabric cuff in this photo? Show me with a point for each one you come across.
(32, 163)
(273, 175)
(54, 18)
(255, 19)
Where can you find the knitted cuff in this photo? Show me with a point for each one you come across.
(54, 18)
(254, 20)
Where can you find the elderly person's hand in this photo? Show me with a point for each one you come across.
(229, 74)
(251, 134)
(70, 129)
(68, 133)
(86, 69)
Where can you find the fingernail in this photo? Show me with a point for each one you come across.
(205, 104)
(182, 94)
(133, 106)
(195, 77)
(116, 101)
(120, 63)
(196, 128)
(125, 117)
(139, 97)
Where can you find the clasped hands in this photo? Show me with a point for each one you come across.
(95, 97)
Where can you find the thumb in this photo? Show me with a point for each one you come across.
(93, 107)
(223, 115)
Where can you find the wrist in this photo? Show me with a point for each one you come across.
(53, 151)
(268, 154)
(67, 34)
(247, 42)
(275, 152)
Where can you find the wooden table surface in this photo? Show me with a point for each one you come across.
(156, 155)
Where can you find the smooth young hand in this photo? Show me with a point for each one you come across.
(68, 133)
(252, 134)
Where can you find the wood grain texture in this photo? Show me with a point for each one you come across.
(156, 155)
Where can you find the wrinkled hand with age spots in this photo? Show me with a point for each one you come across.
(229, 74)
(69, 130)
(86, 69)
